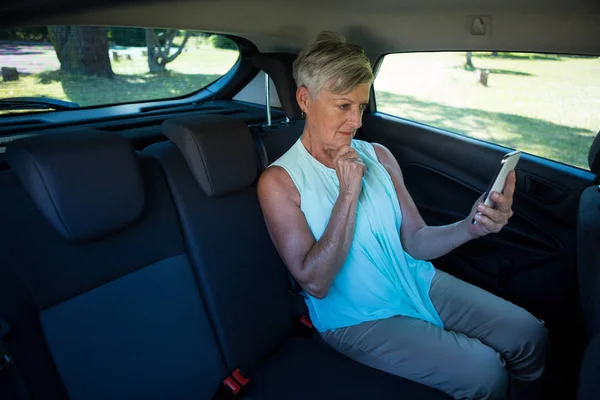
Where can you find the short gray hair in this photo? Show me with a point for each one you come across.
(328, 59)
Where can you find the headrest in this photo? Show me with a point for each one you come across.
(218, 149)
(87, 184)
(279, 66)
(594, 156)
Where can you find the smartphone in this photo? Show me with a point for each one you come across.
(508, 163)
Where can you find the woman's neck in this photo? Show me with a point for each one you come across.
(317, 149)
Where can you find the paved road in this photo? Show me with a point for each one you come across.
(29, 59)
(32, 59)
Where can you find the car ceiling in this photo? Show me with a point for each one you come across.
(380, 26)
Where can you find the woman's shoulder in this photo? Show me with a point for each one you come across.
(372, 147)
(364, 147)
(276, 180)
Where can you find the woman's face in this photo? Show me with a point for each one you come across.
(333, 119)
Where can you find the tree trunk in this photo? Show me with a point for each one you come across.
(155, 64)
(82, 50)
(158, 55)
(154, 58)
(469, 63)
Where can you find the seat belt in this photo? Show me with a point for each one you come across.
(10, 378)
(259, 148)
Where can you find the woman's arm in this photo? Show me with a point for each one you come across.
(429, 242)
(314, 264)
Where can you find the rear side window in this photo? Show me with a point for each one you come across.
(544, 104)
(92, 66)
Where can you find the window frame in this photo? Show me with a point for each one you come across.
(373, 103)
(222, 88)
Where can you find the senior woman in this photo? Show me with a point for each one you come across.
(345, 225)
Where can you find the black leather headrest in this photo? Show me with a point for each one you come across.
(87, 184)
(279, 66)
(594, 156)
(218, 149)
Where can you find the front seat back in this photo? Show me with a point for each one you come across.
(588, 255)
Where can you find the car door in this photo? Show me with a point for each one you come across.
(532, 261)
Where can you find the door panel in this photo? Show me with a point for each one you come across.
(532, 261)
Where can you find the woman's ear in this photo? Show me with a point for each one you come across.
(303, 98)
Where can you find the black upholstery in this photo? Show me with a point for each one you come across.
(26, 341)
(588, 268)
(84, 194)
(238, 269)
(262, 157)
(588, 258)
(244, 284)
(117, 317)
(589, 384)
(588, 238)
(304, 370)
(594, 156)
(145, 335)
(279, 66)
(55, 270)
(219, 170)
(168, 305)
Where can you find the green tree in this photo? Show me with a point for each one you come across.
(29, 34)
(223, 42)
(127, 36)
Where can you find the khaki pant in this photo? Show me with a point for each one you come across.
(486, 340)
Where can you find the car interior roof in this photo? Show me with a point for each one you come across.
(380, 26)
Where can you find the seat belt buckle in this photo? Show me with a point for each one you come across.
(240, 378)
(304, 320)
(305, 328)
(234, 385)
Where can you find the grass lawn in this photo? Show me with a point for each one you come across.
(544, 105)
(189, 72)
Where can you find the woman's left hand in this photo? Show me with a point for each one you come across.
(492, 220)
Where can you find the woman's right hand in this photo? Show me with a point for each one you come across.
(350, 170)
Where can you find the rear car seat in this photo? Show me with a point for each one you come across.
(211, 169)
(588, 265)
(95, 279)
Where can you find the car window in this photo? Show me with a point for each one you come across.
(92, 66)
(544, 104)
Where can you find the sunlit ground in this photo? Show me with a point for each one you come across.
(547, 106)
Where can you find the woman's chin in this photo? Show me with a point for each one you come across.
(345, 138)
